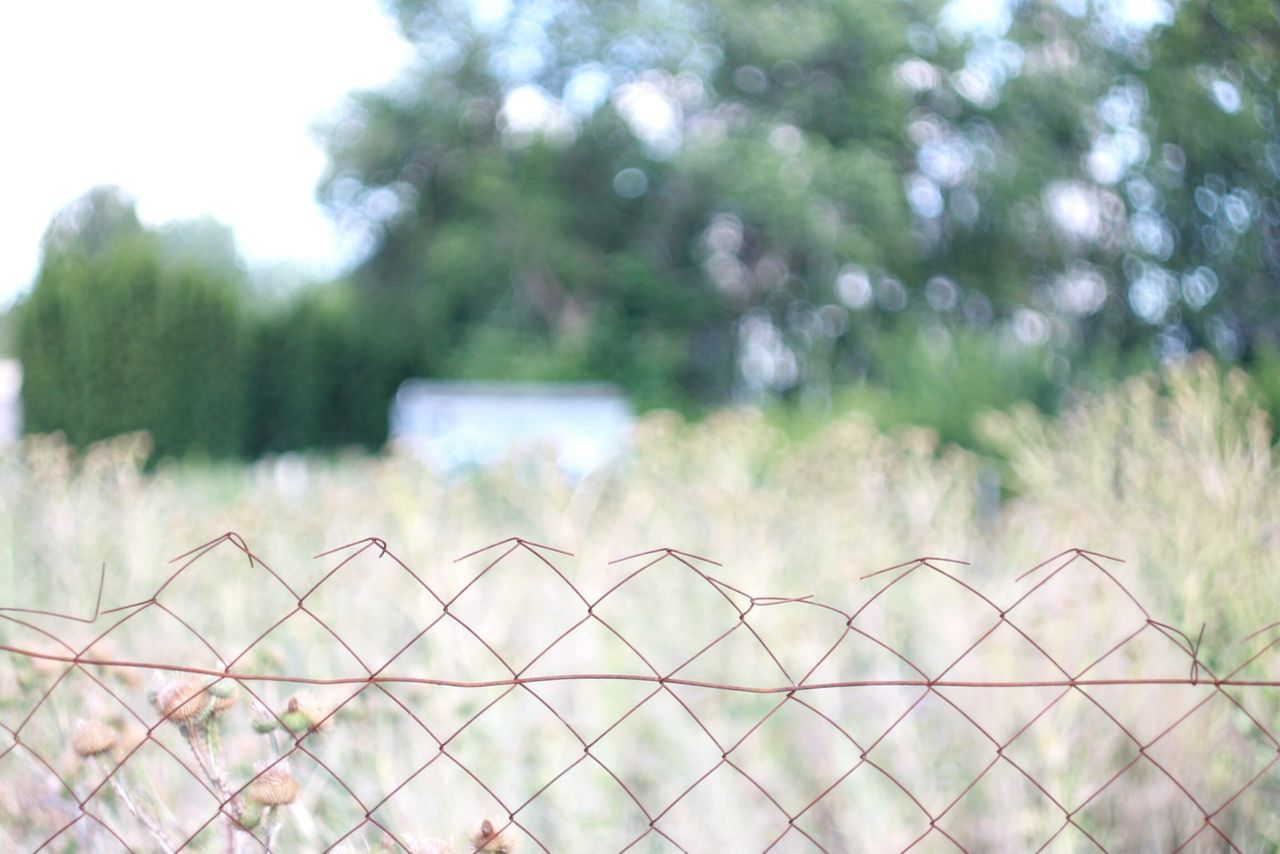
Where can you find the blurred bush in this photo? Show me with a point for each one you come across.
(133, 329)
(120, 333)
(317, 378)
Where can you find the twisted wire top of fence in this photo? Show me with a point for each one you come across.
(673, 713)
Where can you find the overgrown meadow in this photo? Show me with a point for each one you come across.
(1176, 474)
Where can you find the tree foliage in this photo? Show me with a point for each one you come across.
(787, 181)
(119, 334)
(316, 379)
(707, 200)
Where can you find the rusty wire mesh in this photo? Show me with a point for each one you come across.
(672, 711)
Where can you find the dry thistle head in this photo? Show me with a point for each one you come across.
(490, 839)
(92, 737)
(181, 699)
(274, 787)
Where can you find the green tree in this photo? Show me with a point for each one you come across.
(1213, 88)
(316, 376)
(1122, 174)
(798, 181)
(119, 334)
(602, 206)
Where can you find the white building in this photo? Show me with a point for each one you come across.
(10, 401)
(460, 424)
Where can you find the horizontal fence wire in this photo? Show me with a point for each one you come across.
(785, 724)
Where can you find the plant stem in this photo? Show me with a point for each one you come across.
(213, 743)
(271, 823)
(212, 767)
(275, 745)
(205, 763)
(122, 792)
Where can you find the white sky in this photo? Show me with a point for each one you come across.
(192, 107)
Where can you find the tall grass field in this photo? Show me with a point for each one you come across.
(1176, 474)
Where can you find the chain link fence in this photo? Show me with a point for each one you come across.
(494, 703)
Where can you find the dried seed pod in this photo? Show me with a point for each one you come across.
(93, 738)
(274, 787)
(490, 839)
(181, 699)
